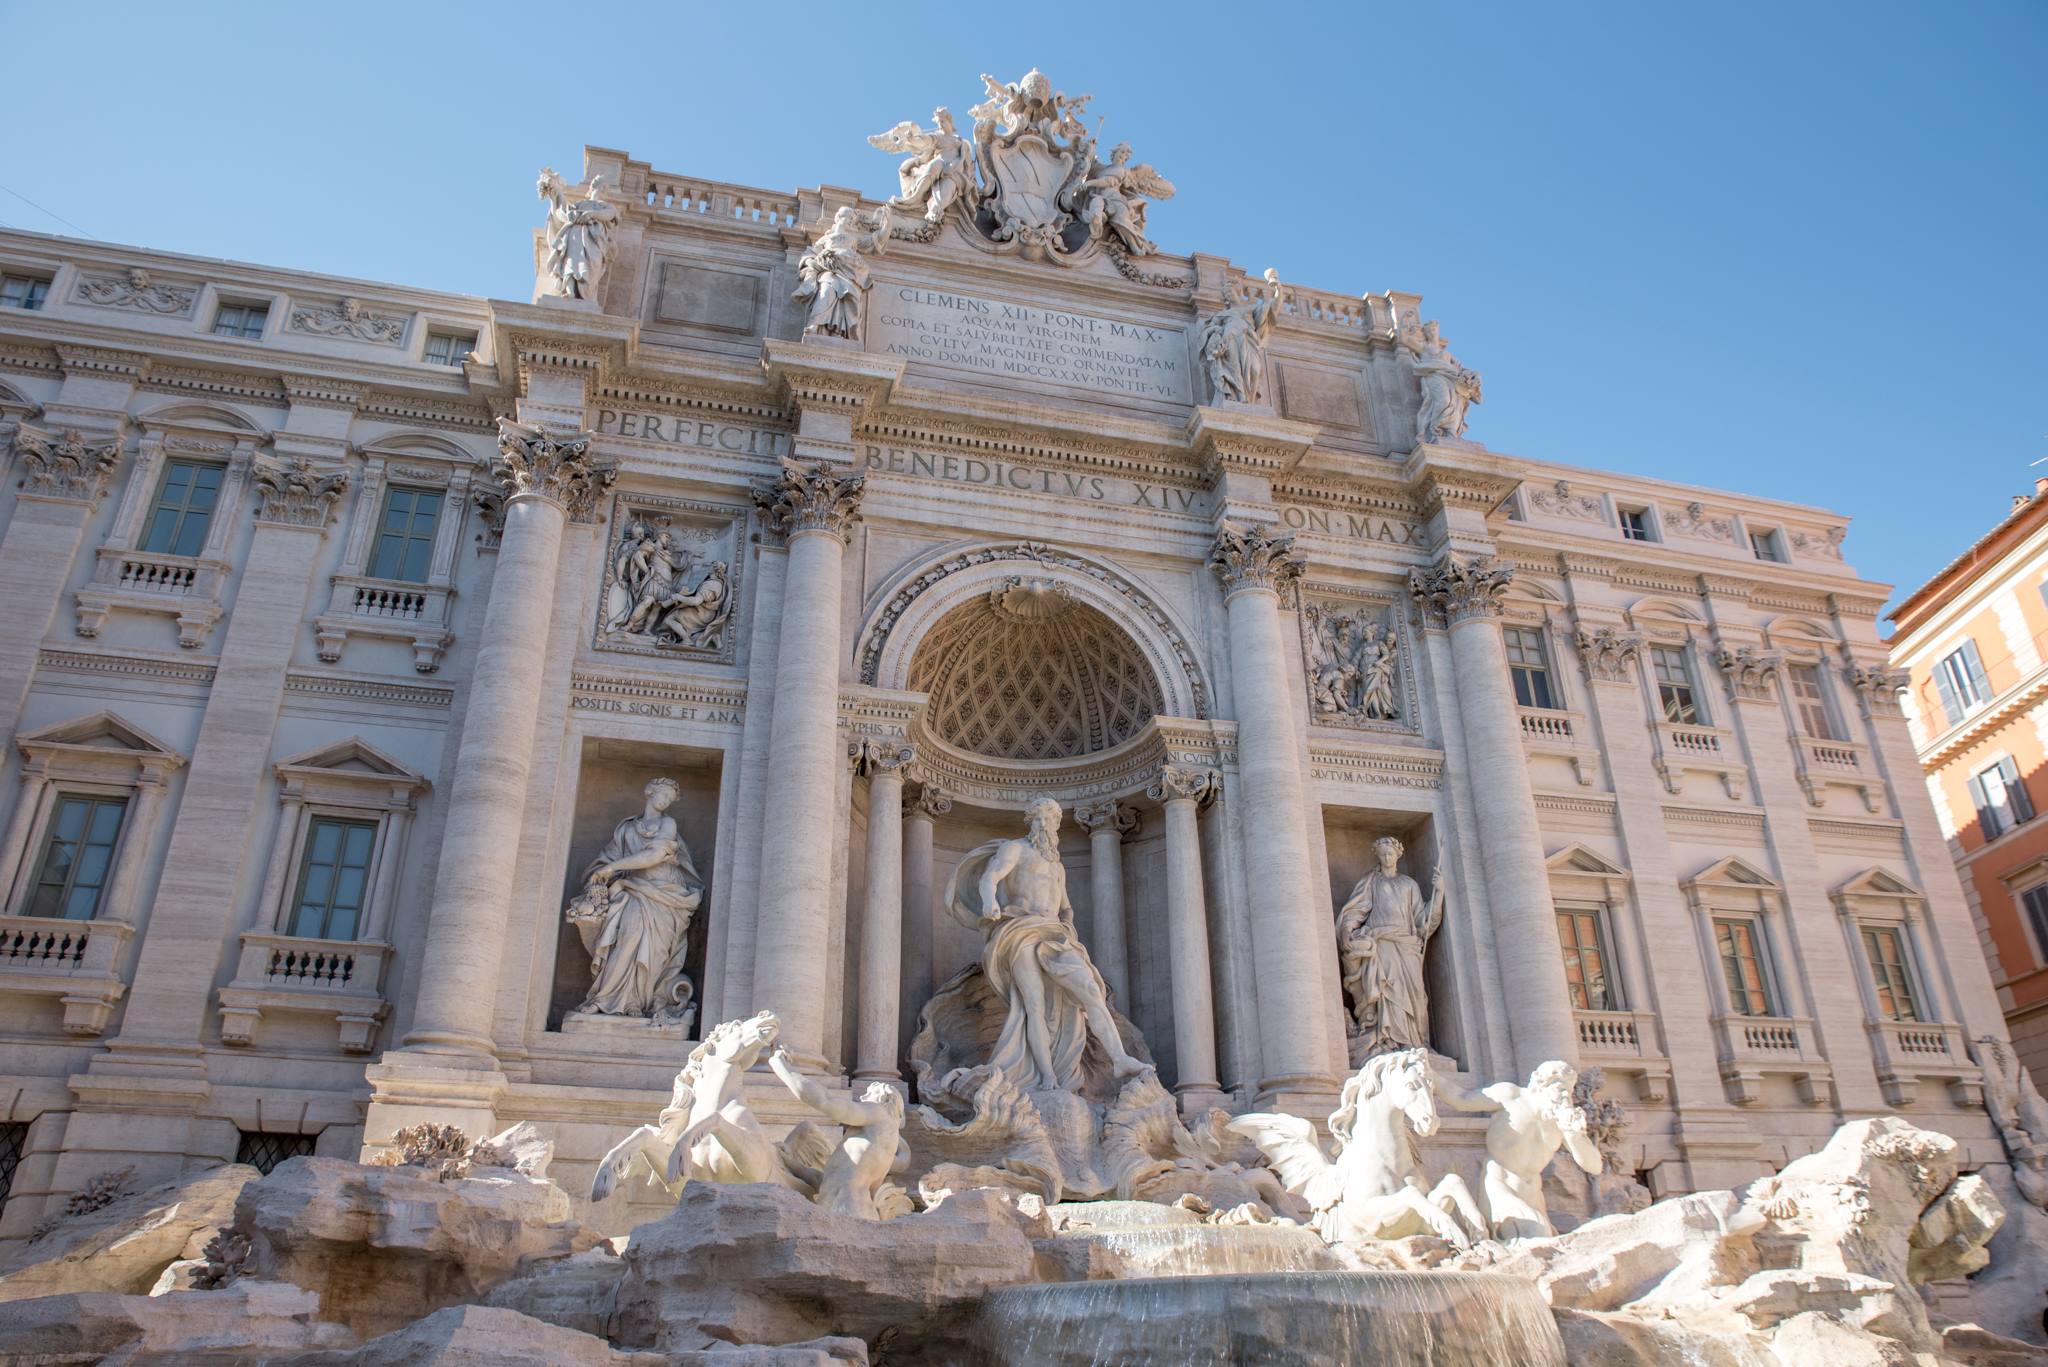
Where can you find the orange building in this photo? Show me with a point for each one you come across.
(1974, 640)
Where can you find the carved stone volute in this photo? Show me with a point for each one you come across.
(1607, 653)
(1108, 815)
(65, 465)
(534, 463)
(926, 801)
(1184, 782)
(1249, 558)
(1880, 688)
(1750, 671)
(295, 493)
(871, 757)
(811, 498)
(1450, 592)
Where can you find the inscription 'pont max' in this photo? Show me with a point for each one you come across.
(1021, 342)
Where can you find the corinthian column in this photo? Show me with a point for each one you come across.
(919, 810)
(815, 507)
(546, 479)
(1107, 825)
(1183, 791)
(1466, 598)
(1256, 567)
(881, 922)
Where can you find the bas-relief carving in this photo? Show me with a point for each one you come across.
(1880, 688)
(634, 914)
(1560, 501)
(1232, 343)
(64, 464)
(578, 235)
(348, 317)
(1749, 671)
(1697, 523)
(836, 278)
(1354, 662)
(1383, 931)
(1825, 546)
(669, 583)
(1607, 653)
(1448, 389)
(136, 290)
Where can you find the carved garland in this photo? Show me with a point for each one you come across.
(1036, 553)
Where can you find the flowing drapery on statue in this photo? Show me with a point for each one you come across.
(634, 916)
(1381, 935)
(1014, 892)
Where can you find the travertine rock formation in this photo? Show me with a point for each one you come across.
(258, 1319)
(126, 1245)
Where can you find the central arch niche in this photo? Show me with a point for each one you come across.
(1028, 671)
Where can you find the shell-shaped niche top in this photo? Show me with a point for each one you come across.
(1031, 673)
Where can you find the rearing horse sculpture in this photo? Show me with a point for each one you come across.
(1375, 1188)
(706, 1132)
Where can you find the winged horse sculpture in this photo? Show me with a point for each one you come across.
(1375, 1187)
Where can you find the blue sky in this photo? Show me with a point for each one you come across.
(1790, 249)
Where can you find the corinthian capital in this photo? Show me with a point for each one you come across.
(294, 493)
(1608, 653)
(1253, 558)
(1880, 688)
(812, 498)
(66, 465)
(1451, 592)
(1178, 782)
(1749, 671)
(534, 462)
(1107, 815)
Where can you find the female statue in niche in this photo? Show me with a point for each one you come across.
(634, 916)
(1381, 934)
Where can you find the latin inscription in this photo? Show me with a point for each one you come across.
(675, 431)
(1357, 526)
(665, 710)
(1032, 479)
(1021, 342)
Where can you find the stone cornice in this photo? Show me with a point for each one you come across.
(815, 375)
(79, 359)
(318, 391)
(1240, 440)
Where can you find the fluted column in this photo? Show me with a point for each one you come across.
(1108, 824)
(1183, 790)
(63, 478)
(815, 507)
(881, 924)
(546, 479)
(1465, 597)
(919, 809)
(1256, 567)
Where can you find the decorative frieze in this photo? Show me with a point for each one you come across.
(671, 578)
(135, 290)
(1252, 558)
(1559, 501)
(1607, 653)
(1750, 671)
(1451, 591)
(348, 318)
(295, 493)
(532, 462)
(812, 498)
(65, 465)
(1820, 546)
(1698, 524)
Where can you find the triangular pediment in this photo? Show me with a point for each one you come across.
(1877, 881)
(1734, 872)
(100, 731)
(354, 756)
(1579, 859)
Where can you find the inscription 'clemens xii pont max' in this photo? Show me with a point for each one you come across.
(1021, 342)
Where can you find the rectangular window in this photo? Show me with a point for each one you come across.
(13, 1143)
(405, 538)
(241, 320)
(1886, 950)
(448, 348)
(1675, 695)
(23, 291)
(1960, 680)
(2035, 901)
(1529, 667)
(1764, 545)
(1739, 942)
(1585, 961)
(78, 857)
(1635, 524)
(2002, 801)
(1810, 703)
(184, 508)
(334, 879)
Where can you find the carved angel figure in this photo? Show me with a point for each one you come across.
(1448, 389)
(1375, 1188)
(579, 231)
(939, 170)
(1382, 932)
(1233, 343)
(1115, 197)
(836, 279)
(634, 912)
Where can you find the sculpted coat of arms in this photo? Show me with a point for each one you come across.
(1030, 179)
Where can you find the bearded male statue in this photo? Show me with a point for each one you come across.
(1015, 893)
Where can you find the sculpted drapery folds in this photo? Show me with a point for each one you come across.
(534, 461)
(667, 594)
(1382, 932)
(939, 170)
(835, 276)
(1353, 665)
(811, 498)
(1451, 591)
(578, 234)
(1251, 557)
(65, 465)
(1014, 892)
(1233, 342)
(1448, 389)
(634, 912)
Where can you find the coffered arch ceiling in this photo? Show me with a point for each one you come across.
(1030, 672)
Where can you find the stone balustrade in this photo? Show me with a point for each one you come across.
(1686, 747)
(685, 195)
(1821, 764)
(1909, 1052)
(78, 962)
(1752, 1047)
(417, 614)
(285, 974)
(187, 588)
(1549, 731)
(1625, 1042)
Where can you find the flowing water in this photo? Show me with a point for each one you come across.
(1305, 1319)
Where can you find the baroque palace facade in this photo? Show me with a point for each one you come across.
(349, 626)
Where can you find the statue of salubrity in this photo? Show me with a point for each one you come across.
(633, 916)
(1383, 930)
